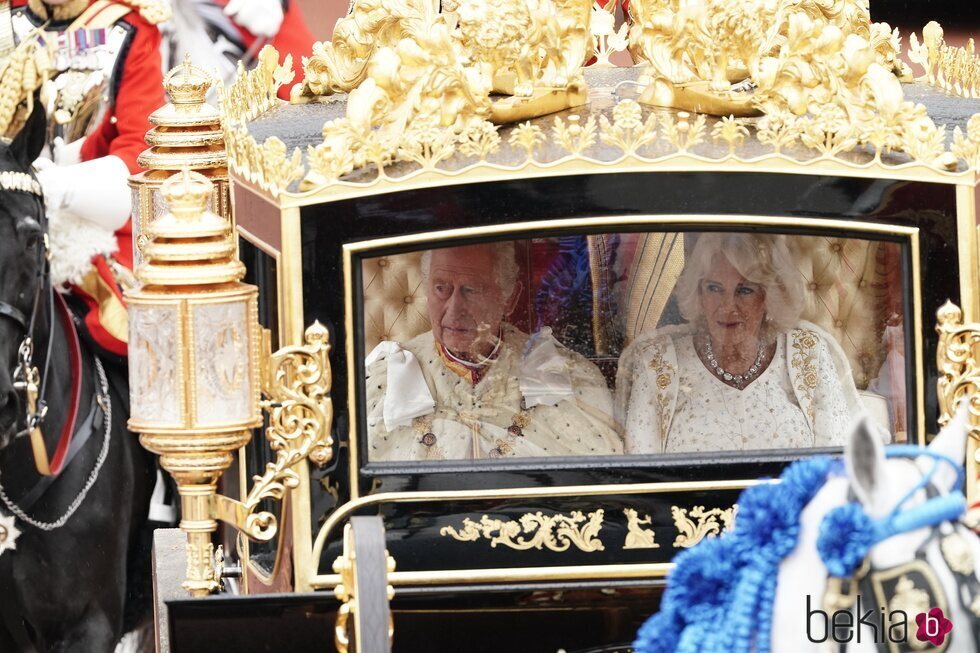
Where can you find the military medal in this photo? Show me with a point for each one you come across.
(8, 533)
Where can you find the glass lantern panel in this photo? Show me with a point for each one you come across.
(154, 380)
(223, 381)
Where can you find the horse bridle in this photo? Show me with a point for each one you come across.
(937, 512)
(26, 377)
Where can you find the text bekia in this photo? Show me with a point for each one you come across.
(841, 628)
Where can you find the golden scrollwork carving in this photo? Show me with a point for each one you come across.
(698, 523)
(300, 416)
(638, 537)
(959, 369)
(955, 70)
(534, 531)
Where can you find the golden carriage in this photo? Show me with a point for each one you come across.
(418, 130)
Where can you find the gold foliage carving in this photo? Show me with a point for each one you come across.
(628, 131)
(255, 92)
(606, 39)
(967, 147)
(300, 417)
(698, 523)
(955, 70)
(269, 165)
(573, 135)
(534, 531)
(959, 370)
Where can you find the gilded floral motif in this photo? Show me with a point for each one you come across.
(534, 531)
(698, 523)
(665, 372)
(804, 342)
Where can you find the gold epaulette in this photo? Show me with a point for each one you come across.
(152, 11)
(104, 13)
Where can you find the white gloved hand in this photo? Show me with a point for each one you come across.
(260, 17)
(96, 190)
(66, 154)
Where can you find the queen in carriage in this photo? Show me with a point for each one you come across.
(744, 372)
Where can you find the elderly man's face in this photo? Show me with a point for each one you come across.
(733, 306)
(466, 304)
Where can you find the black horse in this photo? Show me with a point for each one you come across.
(81, 555)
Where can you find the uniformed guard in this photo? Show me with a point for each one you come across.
(107, 81)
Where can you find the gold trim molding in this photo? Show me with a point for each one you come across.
(698, 523)
(535, 531)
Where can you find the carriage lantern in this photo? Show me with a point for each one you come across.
(193, 363)
(198, 365)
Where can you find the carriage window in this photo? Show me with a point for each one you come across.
(648, 343)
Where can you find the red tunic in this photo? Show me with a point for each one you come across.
(123, 130)
(137, 91)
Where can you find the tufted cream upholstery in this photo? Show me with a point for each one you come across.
(394, 300)
(846, 294)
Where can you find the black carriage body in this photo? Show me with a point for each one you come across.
(624, 516)
(542, 598)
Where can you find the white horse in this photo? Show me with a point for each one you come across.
(885, 523)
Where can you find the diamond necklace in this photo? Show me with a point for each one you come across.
(740, 380)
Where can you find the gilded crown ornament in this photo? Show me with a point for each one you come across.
(186, 134)
(187, 84)
(429, 90)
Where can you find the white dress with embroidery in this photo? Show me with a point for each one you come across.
(476, 421)
(670, 402)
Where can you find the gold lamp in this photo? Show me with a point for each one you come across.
(196, 375)
(186, 133)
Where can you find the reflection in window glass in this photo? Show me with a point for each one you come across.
(632, 342)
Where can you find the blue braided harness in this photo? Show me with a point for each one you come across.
(732, 579)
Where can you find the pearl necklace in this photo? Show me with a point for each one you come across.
(740, 380)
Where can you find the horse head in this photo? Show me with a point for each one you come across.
(921, 557)
(871, 544)
(21, 258)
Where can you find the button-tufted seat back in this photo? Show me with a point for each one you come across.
(394, 299)
(846, 293)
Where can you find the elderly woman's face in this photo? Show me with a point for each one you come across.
(732, 306)
(466, 304)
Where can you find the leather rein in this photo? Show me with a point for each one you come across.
(28, 380)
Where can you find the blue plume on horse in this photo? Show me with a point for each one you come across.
(732, 579)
